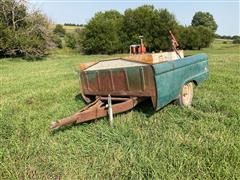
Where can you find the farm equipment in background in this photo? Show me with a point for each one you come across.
(118, 85)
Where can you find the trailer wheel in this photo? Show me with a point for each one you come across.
(186, 95)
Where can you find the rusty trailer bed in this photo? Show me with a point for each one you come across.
(119, 78)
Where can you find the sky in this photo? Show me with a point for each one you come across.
(225, 12)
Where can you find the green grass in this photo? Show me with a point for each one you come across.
(200, 142)
(71, 28)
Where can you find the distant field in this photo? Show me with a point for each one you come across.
(71, 28)
(68, 28)
(201, 142)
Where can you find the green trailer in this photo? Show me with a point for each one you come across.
(117, 85)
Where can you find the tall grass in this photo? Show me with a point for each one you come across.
(174, 143)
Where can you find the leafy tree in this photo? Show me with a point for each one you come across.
(195, 37)
(70, 40)
(189, 38)
(204, 19)
(59, 30)
(102, 33)
(236, 40)
(206, 36)
(110, 32)
(80, 35)
(235, 37)
(58, 41)
(23, 33)
(153, 24)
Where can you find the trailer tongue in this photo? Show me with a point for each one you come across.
(97, 109)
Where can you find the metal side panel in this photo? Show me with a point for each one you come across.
(171, 76)
(135, 81)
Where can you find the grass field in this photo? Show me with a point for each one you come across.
(69, 29)
(200, 142)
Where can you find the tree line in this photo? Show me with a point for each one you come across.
(226, 37)
(29, 33)
(112, 32)
(235, 39)
(73, 24)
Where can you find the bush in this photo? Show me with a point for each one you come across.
(204, 19)
(195, 37)
(110, 32)
(58, 41)
(153, 24)
(80, 34)
(70, 40)
(59, 30)
(236, 40)
(27, 35)
(206, 36)
(102, 33)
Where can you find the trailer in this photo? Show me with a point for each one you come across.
(118, 85)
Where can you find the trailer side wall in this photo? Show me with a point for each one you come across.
(171, 76)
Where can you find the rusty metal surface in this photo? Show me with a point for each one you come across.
(97, 109)
(123, 82)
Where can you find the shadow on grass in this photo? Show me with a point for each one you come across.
(79, 97)
(145, 107)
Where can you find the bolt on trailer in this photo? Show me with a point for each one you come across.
(118, 85)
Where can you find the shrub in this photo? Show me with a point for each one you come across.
(195, 37)
(204, 19)
(153, 24)
(236, 40)
(102, 33)
(23, 33)
(58, 41)
(59, 30)
(70, 40)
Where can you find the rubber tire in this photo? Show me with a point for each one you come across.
(186, 95)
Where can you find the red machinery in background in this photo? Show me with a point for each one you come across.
(138, 49)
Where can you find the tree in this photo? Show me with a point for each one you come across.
(189, 38)
(204, 19)
(153, 24)
(102, 33)
(58, 41)
(23, 33)
(70, 40)
(80, 35)
(236, 39)
(110, 32)
(206, 36)
(195, 37)
(59, 30)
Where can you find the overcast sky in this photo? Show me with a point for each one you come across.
(226, 13)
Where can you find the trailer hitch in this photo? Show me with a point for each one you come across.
(97, 109)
